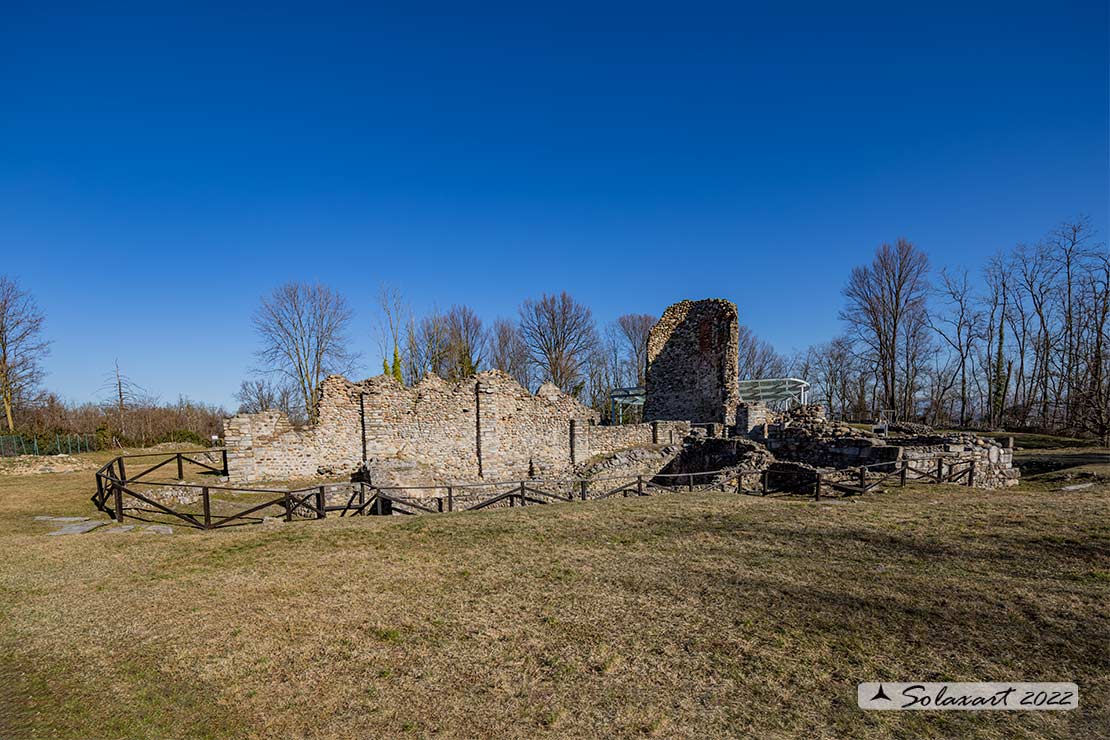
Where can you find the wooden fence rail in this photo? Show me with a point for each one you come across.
(117, 496)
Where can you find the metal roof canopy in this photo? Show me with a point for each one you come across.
(621, 397)
(775, 392)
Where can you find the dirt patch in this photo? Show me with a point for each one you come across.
(37, 464)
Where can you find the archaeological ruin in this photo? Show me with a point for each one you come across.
(489, 428)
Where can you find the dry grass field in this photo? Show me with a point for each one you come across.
(686, 615)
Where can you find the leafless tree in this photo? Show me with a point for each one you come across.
(125, 394)
(22, 346)
(560, 335)
(397, 335)
(1092, 345)
(263, 394)
(835, 370)
(428, 348)
(466, 341)
(634, 329)
(959, 326)
(303, 334)
(757, 357)
(509, 353)
(885, 312)
(606, 368)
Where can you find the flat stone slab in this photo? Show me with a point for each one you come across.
(78, 527)
(120, 529)
(158, 529)
(1077, 486)
(61, 518)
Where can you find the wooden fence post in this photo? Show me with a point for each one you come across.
(288, 506)
(224, 455)
(584, 486)
(180, 469)
(439, 504)
(450, 498)
(817, 488)
(320, 511)
(763, 480)
(902, 473)
(639, 485)
(940, 469)
(690, 482)
(655, 432)
(122, 475)
(971, 474)
(207, 508)
(862, 478)
(119, 503)
(522, 490)
(362, 497)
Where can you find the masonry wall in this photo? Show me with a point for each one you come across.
(485, 428)
(692, 369)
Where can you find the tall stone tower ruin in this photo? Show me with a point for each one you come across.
(692, 372)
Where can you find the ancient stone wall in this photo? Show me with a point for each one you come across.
(804, 435)
(994, 463)
(692, 363)
(485, 428)
(751, 416)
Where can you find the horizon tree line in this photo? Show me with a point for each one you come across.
(1020, 343)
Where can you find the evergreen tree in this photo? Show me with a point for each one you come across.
(397, 365)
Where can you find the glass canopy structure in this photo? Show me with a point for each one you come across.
(777, 393)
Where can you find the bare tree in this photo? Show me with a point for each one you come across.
(634, 329)
(757, 357)
(263, 394)
(256, 395)
(303, 331)
(885, 311)
(22, 346)
(428, 348)
(560, 335)
(509, 353)
(1093, 344)
(125, 394)
(394, 322)
(466, 341)
(835, 369)
(960, 328)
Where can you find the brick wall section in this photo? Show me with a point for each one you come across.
(485, 428)
(692, 363)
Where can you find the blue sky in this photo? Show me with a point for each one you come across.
(162, 166)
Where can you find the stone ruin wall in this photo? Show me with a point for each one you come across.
(804, 435)
(485, 428)
(693, 356)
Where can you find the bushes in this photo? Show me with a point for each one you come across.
(139, 425)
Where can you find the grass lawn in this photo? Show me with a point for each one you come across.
(678, 615)
(1033, 441)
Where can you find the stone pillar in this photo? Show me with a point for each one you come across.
(573, 440)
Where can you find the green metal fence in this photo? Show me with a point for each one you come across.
(47, 444)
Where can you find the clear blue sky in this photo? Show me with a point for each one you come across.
(164, 165)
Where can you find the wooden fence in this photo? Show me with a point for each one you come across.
(121, 494)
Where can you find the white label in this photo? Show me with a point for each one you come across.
(1017, 696)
